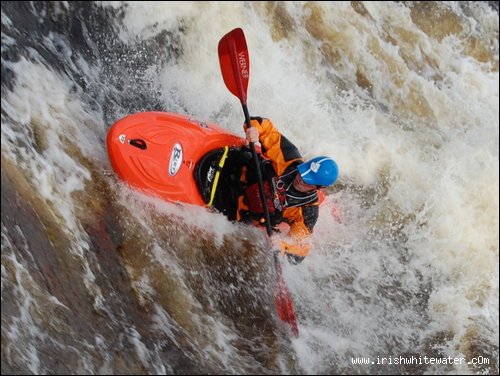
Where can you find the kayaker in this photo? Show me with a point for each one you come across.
(290, 185)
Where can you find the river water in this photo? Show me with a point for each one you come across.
(98, 278)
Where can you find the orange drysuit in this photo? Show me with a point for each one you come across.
(298, 209)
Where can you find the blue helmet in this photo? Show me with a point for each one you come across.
(321, 171)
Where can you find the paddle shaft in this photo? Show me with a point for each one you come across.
(235, 68)
(259, 173)
(242, 95)
(282, 298)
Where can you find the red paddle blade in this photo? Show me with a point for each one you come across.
(283, 301)
(235, 63)
(284, 308)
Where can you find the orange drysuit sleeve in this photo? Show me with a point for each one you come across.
(282, 154)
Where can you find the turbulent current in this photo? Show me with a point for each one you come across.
(403, 273)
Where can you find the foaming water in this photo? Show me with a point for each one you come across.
(97, 278)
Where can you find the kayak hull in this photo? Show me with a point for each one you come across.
(157, 152)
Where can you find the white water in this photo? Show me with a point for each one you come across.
(415, 255)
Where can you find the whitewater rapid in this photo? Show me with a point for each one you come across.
(98, 278)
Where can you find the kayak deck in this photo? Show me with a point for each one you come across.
(157, 152)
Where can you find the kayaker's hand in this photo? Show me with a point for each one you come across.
(252, 134)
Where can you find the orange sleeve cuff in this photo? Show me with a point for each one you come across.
(301, 249)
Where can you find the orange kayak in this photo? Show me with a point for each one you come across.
(158, 152)
(162, 153)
